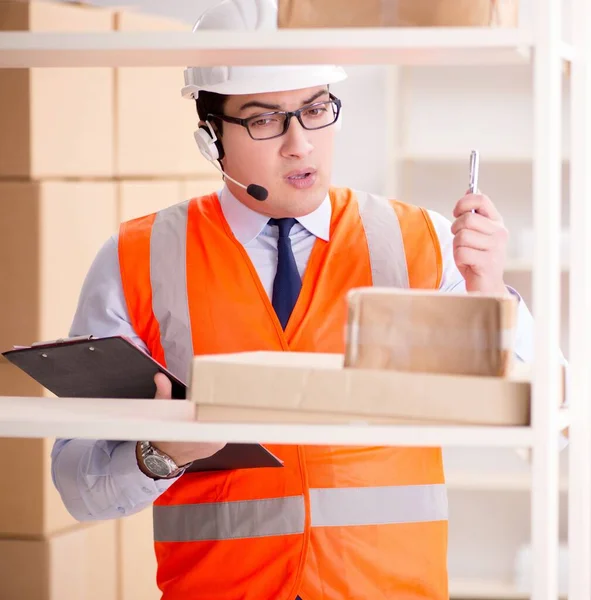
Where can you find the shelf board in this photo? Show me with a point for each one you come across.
(486, 590)
(38, 417)
(405, 46)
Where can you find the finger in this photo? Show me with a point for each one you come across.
(475, 222)
(163, 387)
(467, 238)
(480, 203)
(468, 257)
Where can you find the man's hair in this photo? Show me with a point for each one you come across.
(211, 103)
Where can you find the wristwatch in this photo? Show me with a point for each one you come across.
(159, 464)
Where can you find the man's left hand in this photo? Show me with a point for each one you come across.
(480, 244)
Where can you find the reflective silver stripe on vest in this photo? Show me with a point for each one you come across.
(384, 241)
(168, 275)
(229, 520)
(333, 507)
(329, 507)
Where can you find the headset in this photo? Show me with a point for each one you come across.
(209, 144)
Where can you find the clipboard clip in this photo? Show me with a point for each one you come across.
(68, 340)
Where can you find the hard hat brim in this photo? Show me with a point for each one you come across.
(259, 80)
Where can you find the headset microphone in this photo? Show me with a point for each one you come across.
(211, 148)
(258, 192)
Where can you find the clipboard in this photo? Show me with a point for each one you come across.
(114, 367)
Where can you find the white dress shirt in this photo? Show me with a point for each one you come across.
(101, 479)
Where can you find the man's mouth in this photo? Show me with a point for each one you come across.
(302, 178)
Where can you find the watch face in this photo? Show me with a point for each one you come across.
(156, 465)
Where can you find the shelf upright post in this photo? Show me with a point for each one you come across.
(547, 155)
(579, 499)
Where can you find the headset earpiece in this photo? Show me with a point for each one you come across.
(209, 144)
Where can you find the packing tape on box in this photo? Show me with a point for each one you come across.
(427, 337)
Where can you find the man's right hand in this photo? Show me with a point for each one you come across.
(182, 453)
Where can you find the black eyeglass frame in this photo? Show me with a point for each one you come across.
(288, 116)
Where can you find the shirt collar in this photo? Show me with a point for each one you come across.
(247, 224)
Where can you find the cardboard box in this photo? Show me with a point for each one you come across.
(50, 233)
(146, 196)
(194, 188)
(55, 122)
(137, 563)
(316, 388)
(425, 331)
(30, 506)
(77, 565)
(398, 13)
(154, 124)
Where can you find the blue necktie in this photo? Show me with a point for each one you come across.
(288, 283)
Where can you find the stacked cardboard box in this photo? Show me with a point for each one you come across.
(55, 122)
(80, 564)
(398, 13)
(137, 574)
(81, 150)
(154, 124)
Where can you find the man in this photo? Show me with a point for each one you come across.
(233, 272)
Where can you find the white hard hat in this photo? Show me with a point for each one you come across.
(251, 15)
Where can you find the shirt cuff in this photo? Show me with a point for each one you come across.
(133, 482)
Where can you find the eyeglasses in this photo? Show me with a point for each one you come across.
(267, 126)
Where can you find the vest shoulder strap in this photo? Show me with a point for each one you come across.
(403, 247)
(152, 258)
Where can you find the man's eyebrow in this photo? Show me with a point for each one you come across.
(257, 104)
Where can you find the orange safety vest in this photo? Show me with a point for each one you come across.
(335, 523)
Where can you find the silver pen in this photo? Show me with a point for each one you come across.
(474, 166)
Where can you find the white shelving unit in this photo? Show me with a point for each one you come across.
(437, 114)
(541, 50)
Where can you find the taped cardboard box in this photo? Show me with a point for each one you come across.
(139, 197)
(137, 563)
(55, 122)
(317, 388)
(30, 506)
(398, 13)
(77, 565)
(194, 188)
(50, 233)
(425, 331)
(154, 124)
